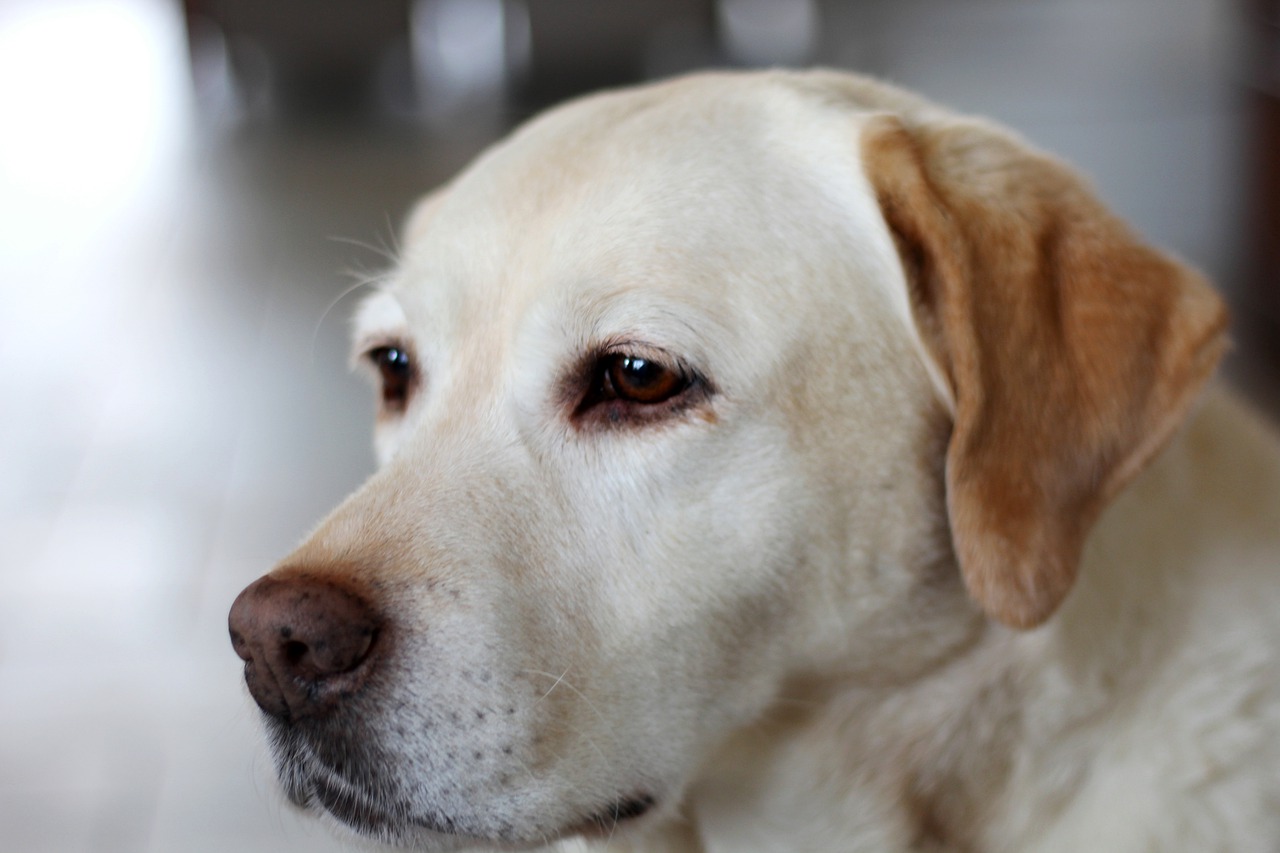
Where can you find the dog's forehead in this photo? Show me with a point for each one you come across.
(706, 199)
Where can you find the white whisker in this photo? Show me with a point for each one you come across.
(579, 693)
(561, 679)
(556, 684)
(362, 280)
(382, 251)
(392, 236)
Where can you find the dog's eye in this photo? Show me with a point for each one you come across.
(639, 380)
(396, 373)
(633, 388)
(642, 386)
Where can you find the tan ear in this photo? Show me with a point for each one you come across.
(1071, 351)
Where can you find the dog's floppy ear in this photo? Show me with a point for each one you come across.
(1070, 350)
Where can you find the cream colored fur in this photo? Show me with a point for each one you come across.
(750, 610)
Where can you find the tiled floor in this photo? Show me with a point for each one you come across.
(176, 406)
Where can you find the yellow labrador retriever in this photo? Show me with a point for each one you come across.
(779, 462)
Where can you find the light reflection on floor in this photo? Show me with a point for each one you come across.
(158, 296)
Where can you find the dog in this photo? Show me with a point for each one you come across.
(776, 461)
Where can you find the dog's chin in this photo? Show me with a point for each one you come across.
(370, 817)
(353, 808)
(387, 824)
(311, 785)
(401, 827)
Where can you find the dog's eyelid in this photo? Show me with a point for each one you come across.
(680, 365)
(678, 362)
(366, 343)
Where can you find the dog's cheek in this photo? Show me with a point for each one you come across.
(707, 583)
(389, 434)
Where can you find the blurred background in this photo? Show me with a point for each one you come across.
(189, 193)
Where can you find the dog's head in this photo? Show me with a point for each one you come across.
(690, 395)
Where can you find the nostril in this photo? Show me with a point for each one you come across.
(295, 651)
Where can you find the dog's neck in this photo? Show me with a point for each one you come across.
(884, 768)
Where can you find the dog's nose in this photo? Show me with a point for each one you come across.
(307, 643)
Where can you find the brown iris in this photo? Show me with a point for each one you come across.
(634, 388)
(639, 380)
